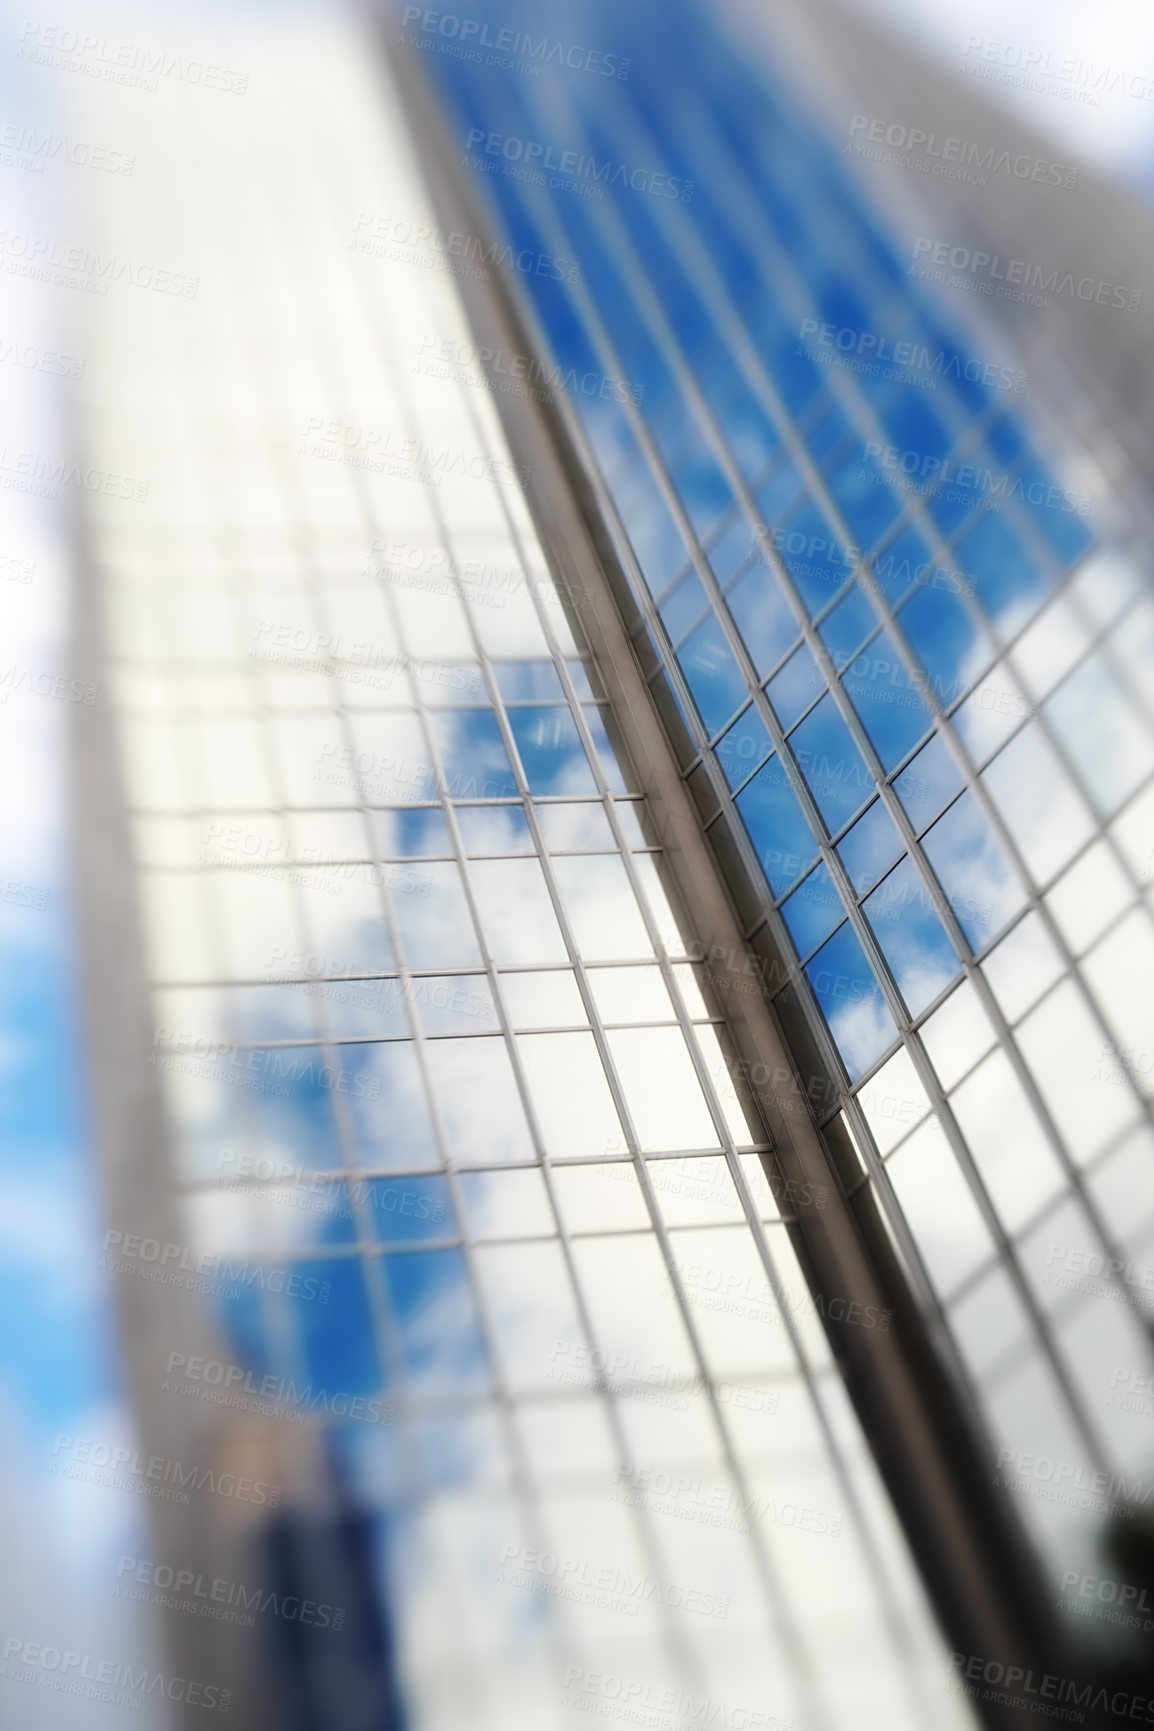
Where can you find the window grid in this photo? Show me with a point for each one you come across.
(240, 555)
(615, 366)
(551, 224)
(777, 1599)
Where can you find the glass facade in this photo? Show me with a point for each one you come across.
(450, 1103)
(902, 640)
(449, 1210)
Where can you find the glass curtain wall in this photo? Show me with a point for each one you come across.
(902, 637)
(467, 1189)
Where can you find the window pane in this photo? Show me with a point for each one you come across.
(851, 1001)
(912, 937)
(972, 868)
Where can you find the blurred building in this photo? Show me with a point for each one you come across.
(614, 870)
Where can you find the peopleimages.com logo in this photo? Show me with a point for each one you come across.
(576, 170)
(953, 156)
(180, 1589)
(513, 50)
(231, 1383)
(124, 1469)
(607, 1585)
(404, 242)
(990, 268)
(128, 63)
(1041, 1692)
(872, 347)
(112, 1681)
(645, 1702)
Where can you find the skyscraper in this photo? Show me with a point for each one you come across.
(613, 861)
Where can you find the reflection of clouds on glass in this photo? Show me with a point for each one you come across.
(912, 937)
(388, 760)
(229, 769)
(471, 1647)
(1018, 1166)
(630, 995)
(1009, 586)
(599, 1197)
(513, 628)
(894, 1101)
(1023, 966)
(1089, 896)
(995, 707)
(476, 1094)
(957, 1034)
(454, 1004)
(740, 1120)
(1110, 746)
(872, 844)
(974, 871)
(1133, 831)
(446, 685)
(392, 1126)
(409, 834)
(436, 931)
(1050, 647)
(1069, 1057)
(459, 1448)
(831, 763)
(180, 939)
(1030, 1410)
(747, 744)
(551, 752)
(570, 1094)
(474, 761)
(1123, 1187)
(271, 1104)
(812, 910)
(265, 1013)
(251, 917)
(533, 1311)
(944, 1218)
(734, 1310)
(662, 1093)
(543, 999)
(602, 908)
(634, 1315)
(927, 783)
(712, 674)
(512, 1204)
(887, 700)
(671, 930)
(342, 916)
(259, 1221)
(432, 624)
(575, 828)
(440, 1340)
(1043, 811)
(497, 829)
(516, 912)
(295, 1111)
(990, 1322)
(367, 1009)
(851, 1001)
(1119, 970)
(776, 825)
(1098, 1339)
(950, 644)
(763, 615)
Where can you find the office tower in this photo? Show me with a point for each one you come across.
(613, 864)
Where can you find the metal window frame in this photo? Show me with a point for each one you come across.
(980, 1569)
